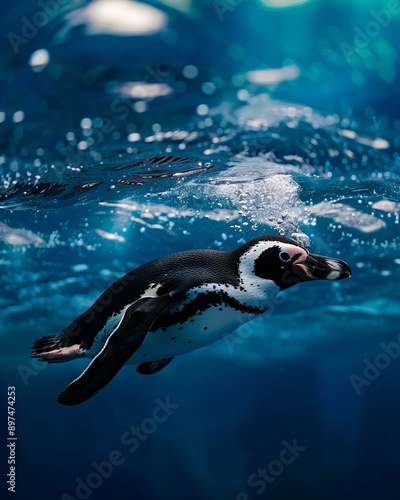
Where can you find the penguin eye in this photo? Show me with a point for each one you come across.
(285, 257)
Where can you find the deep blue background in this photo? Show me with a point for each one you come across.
(291, 379)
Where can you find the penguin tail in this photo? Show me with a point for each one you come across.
(52, 349)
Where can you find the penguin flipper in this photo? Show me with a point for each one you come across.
(151, 367)
(119, 347)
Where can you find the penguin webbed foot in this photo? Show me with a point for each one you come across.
(57, 355)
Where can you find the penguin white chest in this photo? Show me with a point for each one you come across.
(208, 313)
(199, 331)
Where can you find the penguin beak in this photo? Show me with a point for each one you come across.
(318, 267)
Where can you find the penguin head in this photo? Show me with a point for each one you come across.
(286, 263)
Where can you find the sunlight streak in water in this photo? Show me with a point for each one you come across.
(273, 76)
(19, 237)
(118, 17)
(284, 4)
(145, 90)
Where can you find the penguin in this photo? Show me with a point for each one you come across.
(176, 304)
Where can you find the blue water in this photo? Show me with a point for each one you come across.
(118, 147)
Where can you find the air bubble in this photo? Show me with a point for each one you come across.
(39, 60)
(18, 116)
(301, 238)
(202, 109)
(190, 71)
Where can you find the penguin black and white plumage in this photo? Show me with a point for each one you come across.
(177, 304)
